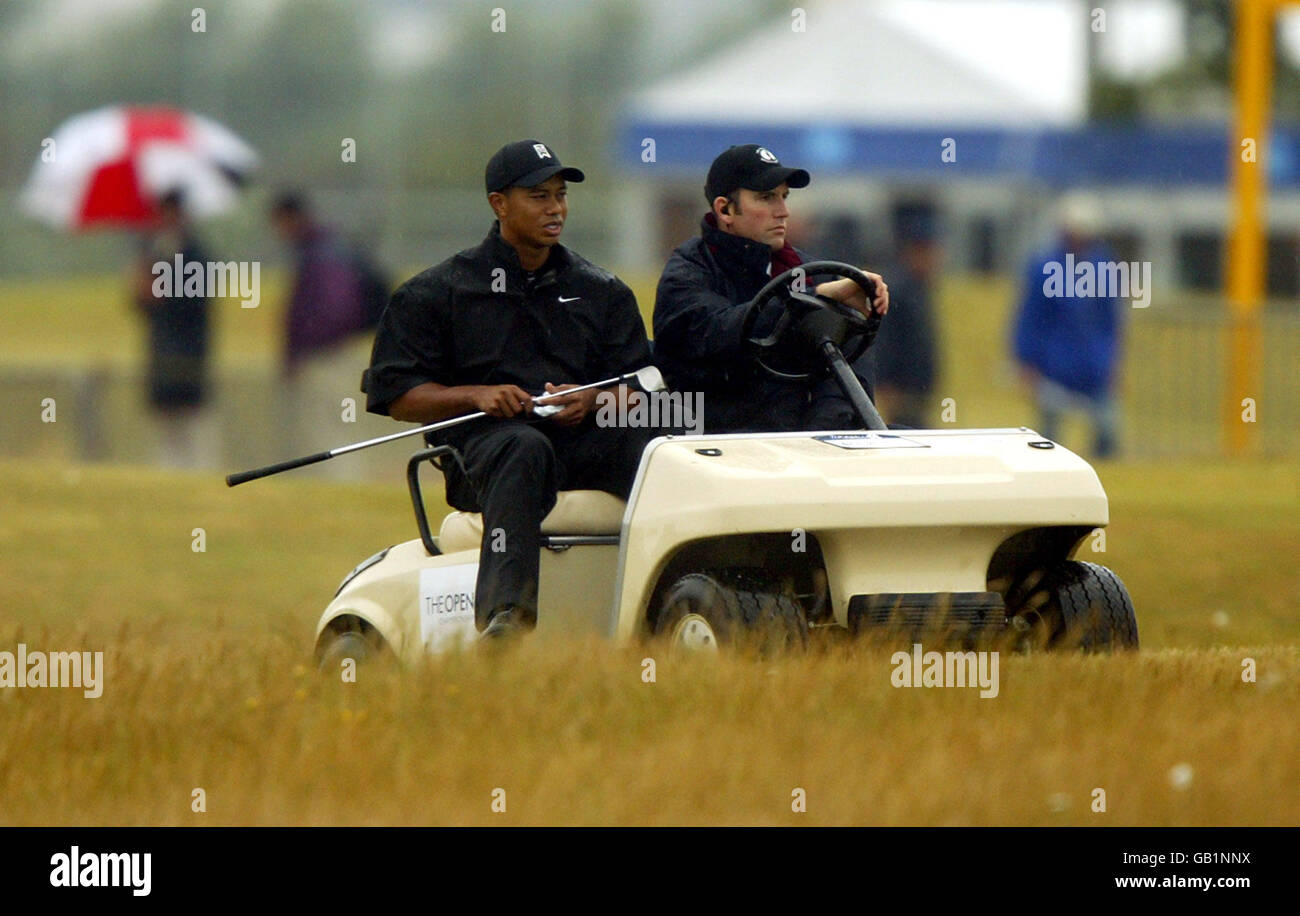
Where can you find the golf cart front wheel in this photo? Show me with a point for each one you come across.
(1074, 605)
(701, 614)
(348, 637)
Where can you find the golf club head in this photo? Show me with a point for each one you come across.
(649, 379)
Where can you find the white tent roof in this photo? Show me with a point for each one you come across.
(994, 63)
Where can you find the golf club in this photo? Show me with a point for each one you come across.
(646, 379)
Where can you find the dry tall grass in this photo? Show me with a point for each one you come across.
(573, 735)
(207, 683)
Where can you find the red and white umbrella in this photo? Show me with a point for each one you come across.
(109, 167)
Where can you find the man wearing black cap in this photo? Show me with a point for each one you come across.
(706, 284)
(492, 327)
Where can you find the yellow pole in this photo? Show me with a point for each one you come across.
(1253, 71)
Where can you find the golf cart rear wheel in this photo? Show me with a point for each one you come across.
(1074, 605)
(700, 614)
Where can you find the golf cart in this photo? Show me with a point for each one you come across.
(780, 538)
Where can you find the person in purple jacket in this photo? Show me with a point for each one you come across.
(329, 307)
(327, 299)
(1067, 333)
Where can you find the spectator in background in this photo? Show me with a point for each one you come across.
(331, 298)
(178, 335)
(335, 295)
(1067, 345)
(840, 238)
(904, 355)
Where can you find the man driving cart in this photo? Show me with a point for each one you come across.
(703, 293)
(488, 330)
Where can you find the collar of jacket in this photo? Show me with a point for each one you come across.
(735, 251)
(499, 251)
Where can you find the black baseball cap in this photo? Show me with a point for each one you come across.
(526, 163)
(750, 166)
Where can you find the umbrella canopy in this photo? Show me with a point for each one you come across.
(110, 166)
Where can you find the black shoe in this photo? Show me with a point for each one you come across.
(504, 625)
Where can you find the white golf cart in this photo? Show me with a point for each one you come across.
(962, 535)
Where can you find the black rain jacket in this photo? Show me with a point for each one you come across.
(479, 319)
(700, 304)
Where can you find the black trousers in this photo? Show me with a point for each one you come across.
(514, 470)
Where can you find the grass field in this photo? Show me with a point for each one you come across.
(208, 682)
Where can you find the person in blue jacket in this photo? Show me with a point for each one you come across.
(1068, 332)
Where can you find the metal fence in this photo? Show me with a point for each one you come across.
(100, 414)
(1173, 403)
(1175, 384)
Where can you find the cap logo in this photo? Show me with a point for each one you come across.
(765, 154)
(541, 151)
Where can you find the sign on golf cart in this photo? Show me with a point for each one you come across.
(868, 440)
(447, 606)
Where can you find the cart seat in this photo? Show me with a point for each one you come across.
(576, 512)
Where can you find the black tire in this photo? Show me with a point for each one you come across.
(1074, 605)
(348, 638)
(737, 617)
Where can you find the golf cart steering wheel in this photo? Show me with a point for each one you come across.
(792, 349)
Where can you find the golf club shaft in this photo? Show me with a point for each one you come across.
(234, 480)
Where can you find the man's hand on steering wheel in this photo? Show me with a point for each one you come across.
(846, 291)
(830, 314)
